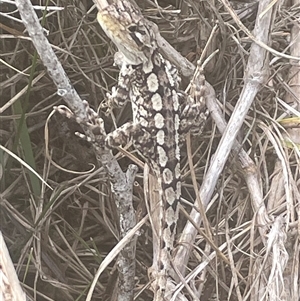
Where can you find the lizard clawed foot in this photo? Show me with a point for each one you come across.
(94, 125)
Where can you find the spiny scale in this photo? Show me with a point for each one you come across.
(150, 83)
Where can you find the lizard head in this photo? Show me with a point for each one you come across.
(126, 27)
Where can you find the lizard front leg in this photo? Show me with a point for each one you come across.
(119, 93)
(97, 134)
(119, 137)
(192, 118)
(193, 112)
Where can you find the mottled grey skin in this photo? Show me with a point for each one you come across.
(150, 83)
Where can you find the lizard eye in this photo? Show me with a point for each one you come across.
(132, 28)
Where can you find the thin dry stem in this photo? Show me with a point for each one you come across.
(253, 210)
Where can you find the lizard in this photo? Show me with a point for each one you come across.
(161, 113)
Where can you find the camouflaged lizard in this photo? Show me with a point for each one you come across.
(160, 114)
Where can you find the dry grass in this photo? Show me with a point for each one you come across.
(58, 237)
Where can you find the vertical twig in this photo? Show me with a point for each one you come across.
(10, 288)
(255, 76)
(121, 182)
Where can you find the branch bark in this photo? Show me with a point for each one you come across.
(10, 288)
(255, 76)
(121, 182)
